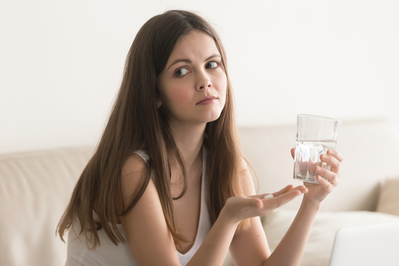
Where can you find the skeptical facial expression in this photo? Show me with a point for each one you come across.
(193, 84)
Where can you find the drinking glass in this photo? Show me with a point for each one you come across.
(315, 136)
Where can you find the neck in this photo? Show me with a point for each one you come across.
(188, 139)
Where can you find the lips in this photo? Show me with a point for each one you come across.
(207, 98)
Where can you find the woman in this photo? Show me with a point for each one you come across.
(167, 184)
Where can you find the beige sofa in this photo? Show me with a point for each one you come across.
(35, 188)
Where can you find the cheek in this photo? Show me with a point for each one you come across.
(179, 96)
(222, 86)
(182, 96)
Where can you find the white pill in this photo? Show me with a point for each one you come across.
(269, 196)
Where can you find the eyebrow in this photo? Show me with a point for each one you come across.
(188, 61)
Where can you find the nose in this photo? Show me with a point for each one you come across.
(202, 87)
(203, 82)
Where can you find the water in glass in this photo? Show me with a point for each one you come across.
(307, 156)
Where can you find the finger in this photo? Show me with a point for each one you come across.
(301, 188)
(275, 194)
(327, 186)
(310, 167)
(253, 201)
(289, 195)
(329, 175)
(332, 161)
(285, 198)
(293, 153)
(262, 196)
(284, 190)
(258, 204)
(336, 154)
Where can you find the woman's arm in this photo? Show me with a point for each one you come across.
(292, 246)
(290, 249)
(145, 227)
(214, 248)
(251, 247)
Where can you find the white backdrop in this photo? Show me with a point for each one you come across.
(61, 62)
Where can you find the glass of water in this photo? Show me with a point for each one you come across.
(315, 136)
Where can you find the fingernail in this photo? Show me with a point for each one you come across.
(269, 196)
(318, 168)
(331, 151)
(323, 156)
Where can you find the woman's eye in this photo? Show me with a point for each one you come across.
(180, 72)
(212, 64)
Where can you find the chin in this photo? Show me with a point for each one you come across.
(212, 117)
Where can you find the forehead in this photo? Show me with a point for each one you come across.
(196, 43)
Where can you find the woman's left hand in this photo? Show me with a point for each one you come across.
(327, 179)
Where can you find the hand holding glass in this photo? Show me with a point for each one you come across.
(315, 136)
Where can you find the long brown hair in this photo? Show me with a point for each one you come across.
(136, 123)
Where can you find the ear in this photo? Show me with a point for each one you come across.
(159, 103)
(157, 95)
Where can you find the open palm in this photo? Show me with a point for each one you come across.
(241, 207)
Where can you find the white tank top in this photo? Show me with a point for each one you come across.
(108, 254)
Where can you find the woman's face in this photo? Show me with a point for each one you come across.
(192, 74)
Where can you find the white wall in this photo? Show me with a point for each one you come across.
(61, 62)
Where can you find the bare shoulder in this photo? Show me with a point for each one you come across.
(134, 165)
(131, 174)
(243, 164)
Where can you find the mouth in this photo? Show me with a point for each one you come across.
(208, 99)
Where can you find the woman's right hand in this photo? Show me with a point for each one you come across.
(239, 208)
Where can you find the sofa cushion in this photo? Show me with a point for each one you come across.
(35, 190)
(319, 247)
(388, 201)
